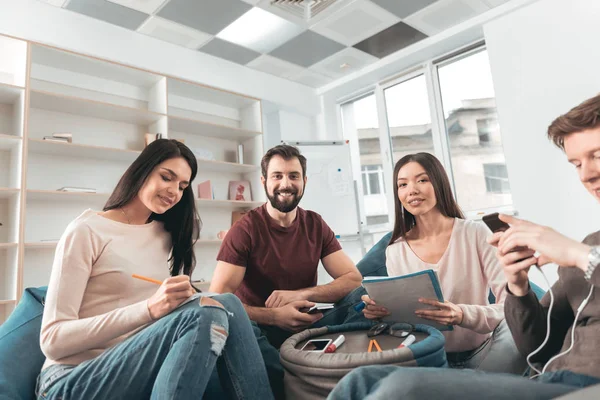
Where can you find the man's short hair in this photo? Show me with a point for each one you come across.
(580, 118)
(286, 152)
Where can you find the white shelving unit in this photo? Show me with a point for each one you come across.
(13, 71)
(108, 108)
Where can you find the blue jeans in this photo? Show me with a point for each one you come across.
(387, 382)
(270, 338)
(497, 354)
(171, 359)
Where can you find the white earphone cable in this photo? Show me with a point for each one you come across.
(579, 310)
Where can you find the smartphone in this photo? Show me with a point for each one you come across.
(316, 345)
(493, 222)
(319, 307)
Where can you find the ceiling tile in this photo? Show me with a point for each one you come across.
(169, 31)
(275, 66)
(307, 48)
(209, 16)
(229, 51)
(390, 40)
(495, 3)
(253, 2)
(57, 3)
(357, 21)
(343, 63)
(260, 31)
(445, 14)
(109, 12)
(145, 6)
(311, 78)
(403, 8)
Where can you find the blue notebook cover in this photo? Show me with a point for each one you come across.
(400, 295)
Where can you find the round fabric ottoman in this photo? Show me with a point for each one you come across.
(310, 375)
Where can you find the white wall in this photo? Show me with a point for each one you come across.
(544, 61)
(296, 126)
(40, 22)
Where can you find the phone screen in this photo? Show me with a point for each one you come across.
(316, 344)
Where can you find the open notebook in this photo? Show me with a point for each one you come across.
(400, 295)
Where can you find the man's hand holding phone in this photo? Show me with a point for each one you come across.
(518, 244)
(517, 261)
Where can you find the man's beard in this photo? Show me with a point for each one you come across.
(284, 206)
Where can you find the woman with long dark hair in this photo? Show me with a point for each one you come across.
(430, 232)
(107, 335)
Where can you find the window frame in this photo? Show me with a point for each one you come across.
(440, 138)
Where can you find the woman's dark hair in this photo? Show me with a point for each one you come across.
(182, 220)
(405, 221)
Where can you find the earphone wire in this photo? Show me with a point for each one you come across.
(548, 319)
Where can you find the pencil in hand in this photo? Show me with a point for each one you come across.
(145, 278)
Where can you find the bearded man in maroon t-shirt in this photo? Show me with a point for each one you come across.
(269, 258)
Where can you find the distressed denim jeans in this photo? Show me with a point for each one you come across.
(172, 358)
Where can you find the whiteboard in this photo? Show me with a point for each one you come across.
(330, 187)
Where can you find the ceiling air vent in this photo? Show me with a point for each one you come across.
(303, 9)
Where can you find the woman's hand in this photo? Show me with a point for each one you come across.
(372, 310)
(173, 291)
(445, 313)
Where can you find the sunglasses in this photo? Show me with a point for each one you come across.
(399, 329)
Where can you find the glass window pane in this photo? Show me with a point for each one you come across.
(361, 128)
(365, 184)
(374, 183)
(476, 152)
(409, 119)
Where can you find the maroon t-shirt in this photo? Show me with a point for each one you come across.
(275, 257)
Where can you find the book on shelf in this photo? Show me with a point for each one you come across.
(205, 190)
(56, 139)
(76, 189)
(240, 154)
(237, 215)
(151, 137)
(240, 191)
(64, 137)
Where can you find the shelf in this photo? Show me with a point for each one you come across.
(10, 142)
(54, 195)
(222, 166)
(229, 204)
(198, 92)
(62, 149)
(40, 245)
(8, 245)
(82, 65)
(6, 193)
(9, 94)
(208, 241)
(201, 128)
(91, 108)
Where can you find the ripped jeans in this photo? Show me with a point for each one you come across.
(170, 359)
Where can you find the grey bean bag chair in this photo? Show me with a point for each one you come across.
(311, 375)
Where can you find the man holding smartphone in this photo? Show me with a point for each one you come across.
(568, 358)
